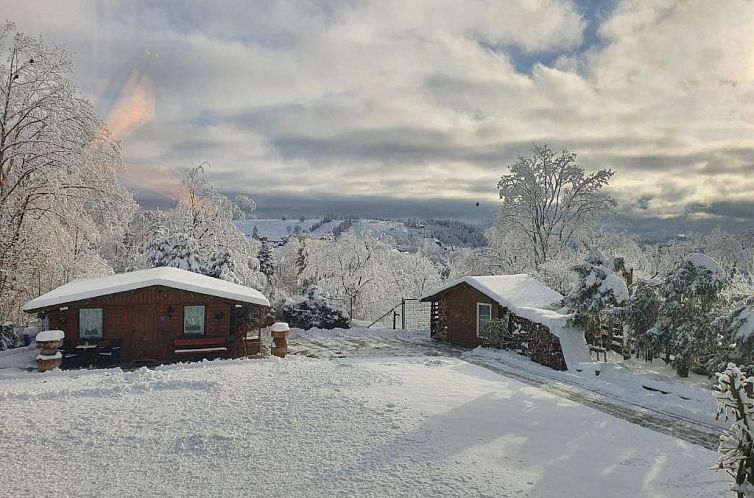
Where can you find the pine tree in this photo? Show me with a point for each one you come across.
(689, 295)
(597, 288)
(255, 233)
(221, 265)
(734, 393)
(266, 259)
(178, 251)
(640, 315)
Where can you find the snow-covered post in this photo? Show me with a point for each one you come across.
(733, 395)
(279, 333)
(49, 357)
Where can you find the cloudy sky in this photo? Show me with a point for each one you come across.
(415, 107)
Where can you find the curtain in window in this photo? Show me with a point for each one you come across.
(193, 320)
(90, 323)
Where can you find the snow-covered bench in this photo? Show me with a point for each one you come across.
(200, 346)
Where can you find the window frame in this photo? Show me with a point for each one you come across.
(204, 321)
(478, 305)
(101, 325)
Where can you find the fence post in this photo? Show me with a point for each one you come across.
(394, 317)
(403, 314)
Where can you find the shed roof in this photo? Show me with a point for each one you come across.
(164, 276)
(511, 291)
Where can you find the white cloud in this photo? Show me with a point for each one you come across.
(423, 99)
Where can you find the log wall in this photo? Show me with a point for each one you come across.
(147, 321)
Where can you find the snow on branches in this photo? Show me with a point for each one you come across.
(548, 199)
(733, 395)
(60, 201)
(689, 295)
(597, 287)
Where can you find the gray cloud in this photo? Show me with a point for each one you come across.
(338, 100)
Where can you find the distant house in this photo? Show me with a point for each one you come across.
(462, 307)
(154, 315)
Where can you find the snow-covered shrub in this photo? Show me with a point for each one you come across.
(313, 311)
(9, 337)
(598, 287)
(689, 295)
(495, 333)
(734, 393)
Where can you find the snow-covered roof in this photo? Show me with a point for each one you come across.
(165, 276)
(511, 291)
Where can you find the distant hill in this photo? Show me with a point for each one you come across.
(408, 234)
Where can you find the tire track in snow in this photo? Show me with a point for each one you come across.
(674, 425)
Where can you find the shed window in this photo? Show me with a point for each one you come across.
(483, 315)
(90, 323)
(193, 320)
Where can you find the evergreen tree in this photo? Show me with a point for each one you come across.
(598, 287)
(177, 251)
(266, 259)
(221, 265)
(255, 233)
(640, 315)
(689, 295)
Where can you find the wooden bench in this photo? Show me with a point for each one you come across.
(200, 345)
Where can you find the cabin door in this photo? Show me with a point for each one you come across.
(144, 333)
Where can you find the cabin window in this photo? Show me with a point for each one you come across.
(90, 323)
(193, 320)
(483, 316)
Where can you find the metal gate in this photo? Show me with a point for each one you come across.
(409, 314)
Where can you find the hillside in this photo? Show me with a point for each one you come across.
(406, 234)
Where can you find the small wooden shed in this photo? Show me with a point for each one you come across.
(154, 315)
(461, 307)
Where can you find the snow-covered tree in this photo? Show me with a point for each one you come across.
(176, 250)
(598, 287)
(548, 200)
(346, 269)
(734, 395)
(199, 234)
(314, 310)
(266, 259)
(640, 315)
(736, 333)
(688, 296)
(59, 196)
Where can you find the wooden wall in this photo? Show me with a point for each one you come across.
(456, 323)
(144, 321)
(461, 314)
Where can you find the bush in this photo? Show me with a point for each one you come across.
(314, 311)
(9, 337)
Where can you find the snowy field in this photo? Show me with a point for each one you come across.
(372, 426)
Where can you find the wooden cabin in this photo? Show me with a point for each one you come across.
(155, 315)
(461, 308)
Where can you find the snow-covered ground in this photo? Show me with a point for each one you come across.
(636, 382)
(375, 426)
(632, 383)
